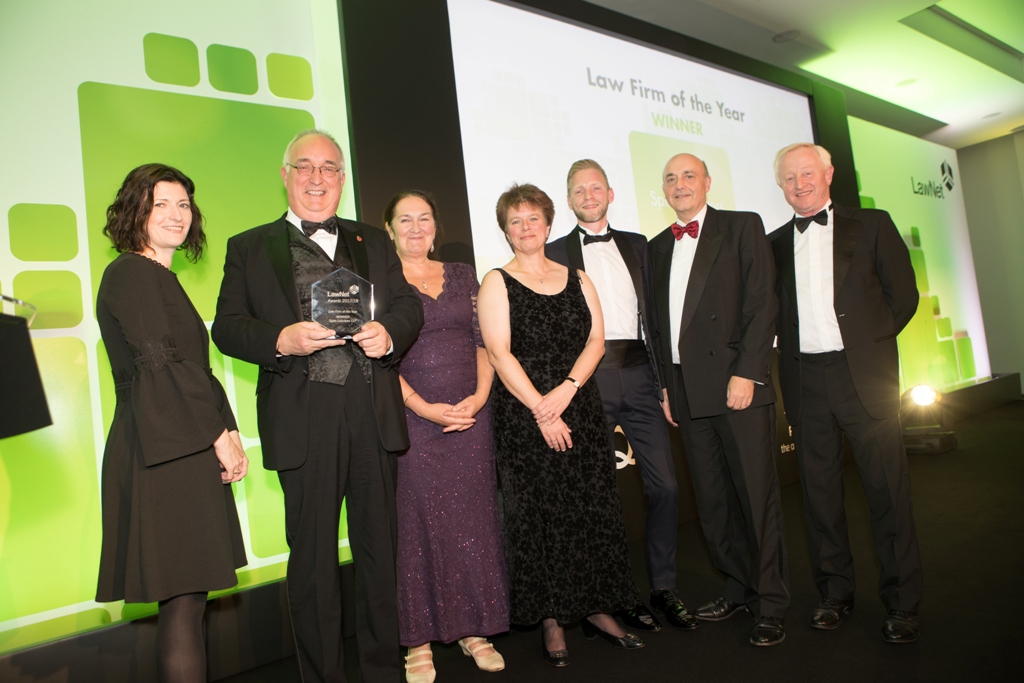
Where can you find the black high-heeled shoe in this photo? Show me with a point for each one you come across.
(557, 658)
(625, 642)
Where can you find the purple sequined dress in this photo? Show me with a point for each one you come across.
(451, 569)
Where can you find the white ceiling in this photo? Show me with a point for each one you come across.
(891, 73)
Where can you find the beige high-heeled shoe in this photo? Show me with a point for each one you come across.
(422, 658)
(485, 662)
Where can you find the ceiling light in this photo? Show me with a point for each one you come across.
(909, 81)
(969, 40)
(992, 115)
(786, 36)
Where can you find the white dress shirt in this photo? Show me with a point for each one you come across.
(323, 239)
(679, 276)
(815, 290)
(603, 263)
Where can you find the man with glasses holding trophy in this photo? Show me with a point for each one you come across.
(329, 405)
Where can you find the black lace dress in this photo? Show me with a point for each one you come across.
(565, 546)
(169, 525)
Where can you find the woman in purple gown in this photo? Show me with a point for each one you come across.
(451, 570)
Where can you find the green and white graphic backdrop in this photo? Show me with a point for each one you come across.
(91, 90)
(918, 183)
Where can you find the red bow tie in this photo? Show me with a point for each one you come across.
(690, 229)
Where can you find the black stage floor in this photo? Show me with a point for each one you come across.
(969, 508)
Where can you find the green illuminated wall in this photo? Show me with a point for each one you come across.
(919, 184)
(214, 88)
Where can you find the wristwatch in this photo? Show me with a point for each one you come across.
(575, 383)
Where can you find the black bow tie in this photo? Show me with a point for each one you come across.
(821, 217)
(590, 239)
(330, 225)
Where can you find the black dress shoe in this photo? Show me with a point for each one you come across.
(900, 627)
(767, 631)
(639, 617)
(719, 610)
(626, 642)
(669, 604)
(830, 613)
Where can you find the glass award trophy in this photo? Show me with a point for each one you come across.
(343, 302)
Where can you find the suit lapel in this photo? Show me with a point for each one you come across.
(633, 266)
(574, 250)
(661, 265)
(280, 255)
(356, 249)
(784, 261)
(707, 252)
(845, 233)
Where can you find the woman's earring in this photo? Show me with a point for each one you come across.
(431, 247)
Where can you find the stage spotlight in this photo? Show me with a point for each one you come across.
(924, 422)
(924, 395)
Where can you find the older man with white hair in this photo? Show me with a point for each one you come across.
(846, 288)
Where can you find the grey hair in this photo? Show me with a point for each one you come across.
(826, 158)
(313, 131)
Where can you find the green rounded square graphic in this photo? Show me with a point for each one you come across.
(246, 375)
(232, 69)
(170, 59)
(57, 294)
(265, 505)
(289, 76)
(43, 232)
(49, 495)
(122, 127)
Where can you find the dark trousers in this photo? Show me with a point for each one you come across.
(630, 400)
(830, 407)
(345, 462)
(736, 484)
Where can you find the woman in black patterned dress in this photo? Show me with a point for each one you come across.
(170, 528)
(565, 546)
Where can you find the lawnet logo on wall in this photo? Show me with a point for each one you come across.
(215, 89)
(944, 344)
(947, 175)
(935, 188)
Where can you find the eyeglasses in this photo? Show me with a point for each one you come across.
(305, 169)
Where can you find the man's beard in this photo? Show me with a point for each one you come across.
(591, 216)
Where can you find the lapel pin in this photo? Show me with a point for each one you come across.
(359, 238)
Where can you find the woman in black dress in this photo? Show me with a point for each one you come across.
(170, 528)
(565, 545)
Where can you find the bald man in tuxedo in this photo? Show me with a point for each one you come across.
(714, 312)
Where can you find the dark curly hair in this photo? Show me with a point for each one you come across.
(389, 212)
(128, 216)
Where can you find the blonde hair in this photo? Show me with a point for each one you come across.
(584, 165)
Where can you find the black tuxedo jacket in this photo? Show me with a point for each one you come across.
(728, 321)
(874, 297)
(258, 298)
(568, 251)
